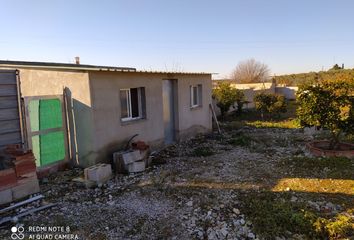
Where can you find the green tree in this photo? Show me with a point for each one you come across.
(269, 103)
(329, 105)
(226, 96)
(240, 100)
(335, 67)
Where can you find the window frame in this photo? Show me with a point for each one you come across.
(129, 105)
(198, 97)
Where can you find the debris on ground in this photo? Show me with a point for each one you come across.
(134, 160)
(18, 177)
(194, 190)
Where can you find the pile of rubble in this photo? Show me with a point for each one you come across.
(18, 179)
(218, 222)
(134, 160)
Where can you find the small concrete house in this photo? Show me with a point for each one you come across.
(86, 112)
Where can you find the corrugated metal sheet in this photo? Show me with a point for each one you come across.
(10, 128)
(85, 67)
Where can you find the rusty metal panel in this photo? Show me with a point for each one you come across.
(10, 125)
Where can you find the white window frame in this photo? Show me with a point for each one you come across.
(129, 105)
(192, 104)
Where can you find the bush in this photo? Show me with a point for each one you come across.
(269, 103)
(226, 96)
(329, 105)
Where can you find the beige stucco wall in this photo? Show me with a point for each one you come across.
(111, 134)
(44, 82)
(96, 130)
(193, 120)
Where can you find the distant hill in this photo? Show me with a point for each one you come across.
(313, 77)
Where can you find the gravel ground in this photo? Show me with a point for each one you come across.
(195, 194)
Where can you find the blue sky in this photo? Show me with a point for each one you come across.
(181, 35)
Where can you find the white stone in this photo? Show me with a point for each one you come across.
(236, 211)
(251, 235)
(224, 232)
(293, 199)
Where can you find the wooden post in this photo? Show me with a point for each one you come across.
(214, 117)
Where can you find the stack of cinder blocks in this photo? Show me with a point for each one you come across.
(132, 161)
(20, 178)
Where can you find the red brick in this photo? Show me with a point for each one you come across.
(140, 145)
(27, 175)
(14, 146)
(7, 178)
(14, 149)
(24, 166)
(26, 156)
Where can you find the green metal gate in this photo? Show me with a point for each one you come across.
(46, 128)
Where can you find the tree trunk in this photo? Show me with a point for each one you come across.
(334, 143)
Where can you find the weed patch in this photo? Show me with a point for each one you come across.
(275, 215)
(240, 140)
(202, 152)
(289, 123)
(332, 167)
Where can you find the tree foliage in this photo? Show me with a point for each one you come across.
(269, 103)
(335, 67)
(329, 105)
(226, 96)
(250, 71)
(313, 77)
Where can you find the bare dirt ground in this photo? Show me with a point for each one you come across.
(239, 186)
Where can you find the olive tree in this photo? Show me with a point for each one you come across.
(226, 96)
(329, 105)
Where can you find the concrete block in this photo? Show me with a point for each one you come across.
(122, 159)
(25, 187)
(118, 164)
(136, 167)
(130, 157)
(5, 196)
(98, 173)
